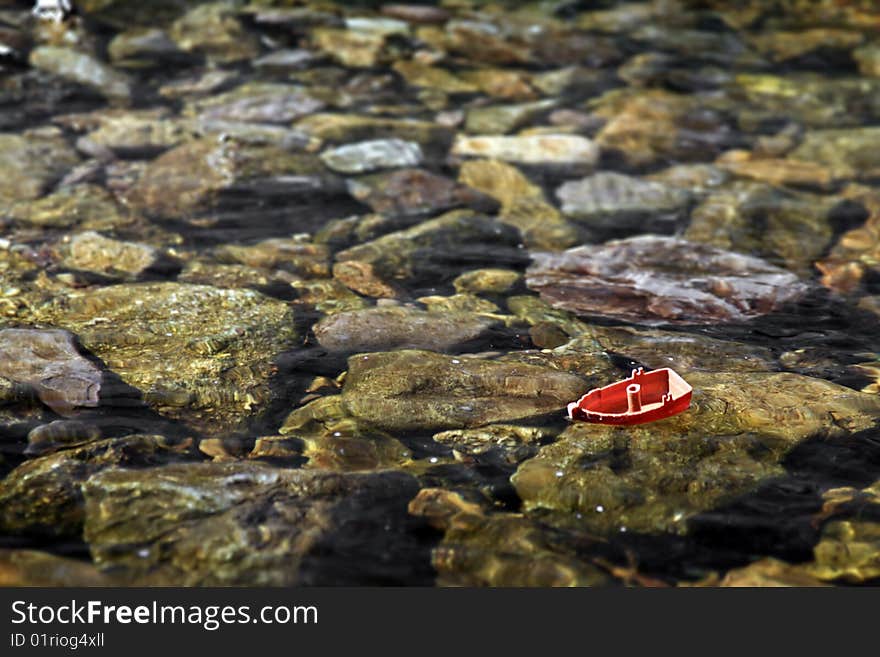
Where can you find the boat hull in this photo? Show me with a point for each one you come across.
(644, 397)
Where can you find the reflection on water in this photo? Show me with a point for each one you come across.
(297, 293)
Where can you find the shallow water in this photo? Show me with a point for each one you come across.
(180, 203)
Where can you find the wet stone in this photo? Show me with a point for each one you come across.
(431, 251)
(84, 206)
(256, 102)
(35, 568)
(91, 251)
(662, 280)
(50, 362)
(413, 13)
(847, 152)
(415, 191)
(788, 229)
(501, 83)
(822, 102)
(421, 390)
(349, 47)
(376, 329)
(656, 126)
(868, 58)
(418, 74)
(523, 204)
(654, 477)
(849, 551)
(243, 523)
(460, 303)
(60, 434)
(291, 254)
(769, 572)
(207, 82)
(511, 442)
(506, 549)
(333, 440)
(200, 351)
(43, 496)
(501, 119)
(133, 134)
(83, 69)
(31, 163)
(147, 46)
(547, 150)
(348, 128)
(190, 179)
(487, 281)
(330, 296)
(621, 203)
(683, 352)
(368, 156)
(213, 30)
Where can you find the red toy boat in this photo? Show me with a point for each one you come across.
(644, 397)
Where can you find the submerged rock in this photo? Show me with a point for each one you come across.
(195, 350)
(432, 251)
(256, 102)
(769, 572)
(91, 251)
(787, 229)
(857, 252)
(50, 362)
(418, 74)
(334, 440)
(654, 477)
(189, 180)
(523, 204)
(281, 253)
(499, 549)
(349, 47)
(35, 568)
(243, 523)
(43, 496)
(620, 203)
(143, 46)
(415, 191)
(367, 156)
(487, 281)
(683, 352)
(511, 442)
(500, 119)
(133, 134)
(662, 280)
(83, 69)
(849, 550)
(85, 206)
(411, 390)
(60, 434)
(847, 152)
(31, 163)
(375, 329)
(347, 128)
(213, 30)
(645, 127)
(545, 150)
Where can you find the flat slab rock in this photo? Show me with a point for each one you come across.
(50, 362)
(662, 280)
(422, 390)
(373, 329)
(241, 523)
